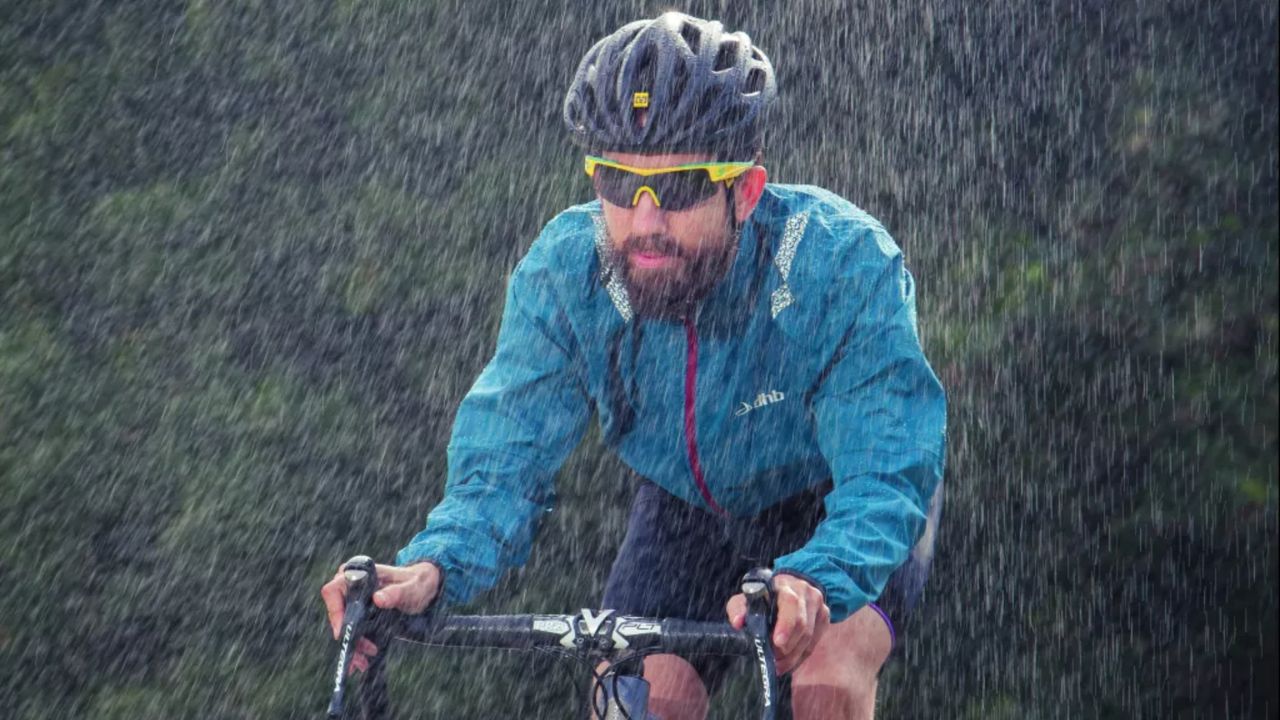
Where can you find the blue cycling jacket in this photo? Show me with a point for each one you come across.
(803, 364)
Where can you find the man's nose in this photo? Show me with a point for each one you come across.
(646, 217)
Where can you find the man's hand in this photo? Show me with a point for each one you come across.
(802, 617)
(407, 589)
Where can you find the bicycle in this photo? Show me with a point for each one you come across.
(594, 637)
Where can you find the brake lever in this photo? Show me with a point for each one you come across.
(362, 580)
(757, 586)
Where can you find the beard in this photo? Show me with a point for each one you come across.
(669, 292)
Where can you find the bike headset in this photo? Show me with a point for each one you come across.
(671, 84)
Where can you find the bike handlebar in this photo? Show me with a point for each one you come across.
(595, 634)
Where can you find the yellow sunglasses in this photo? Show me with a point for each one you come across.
(672, 188)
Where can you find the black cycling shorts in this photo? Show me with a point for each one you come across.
(679, 561)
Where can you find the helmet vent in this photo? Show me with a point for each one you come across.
(646, 68)
(724, 59)
(691, 36)
(755, 82)
(679, 79)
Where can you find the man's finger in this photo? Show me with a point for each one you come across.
(787, 662)
(334, 594)
(366, 647)
(793, 623)
(820, 625)
(816, 626)
(408, 590)
(824, 620)
(395, 574)
(736, 609)
(403, 596)
(388, 596)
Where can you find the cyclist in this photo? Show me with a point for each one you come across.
(750, 350)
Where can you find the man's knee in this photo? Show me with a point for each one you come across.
(839, 679)
(675, 690)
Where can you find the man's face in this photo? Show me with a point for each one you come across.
(670, 258)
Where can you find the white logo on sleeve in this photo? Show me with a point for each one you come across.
(769, 398)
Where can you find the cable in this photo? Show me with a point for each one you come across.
(597, 691)
(610, 675)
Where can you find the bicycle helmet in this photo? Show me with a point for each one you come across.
(671, 84)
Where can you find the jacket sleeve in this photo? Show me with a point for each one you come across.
(515, 427)
(881, 422)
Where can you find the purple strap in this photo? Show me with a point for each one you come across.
(893, 634)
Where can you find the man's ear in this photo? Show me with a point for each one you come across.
(749, 187)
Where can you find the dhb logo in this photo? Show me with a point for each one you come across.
(769, 398)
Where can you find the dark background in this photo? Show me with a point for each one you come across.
(252, 254)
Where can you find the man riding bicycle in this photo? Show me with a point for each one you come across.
(750, 350)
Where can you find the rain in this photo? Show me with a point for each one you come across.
(253, 254)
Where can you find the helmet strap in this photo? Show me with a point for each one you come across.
(733, 214)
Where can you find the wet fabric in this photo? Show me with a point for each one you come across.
(808, 367)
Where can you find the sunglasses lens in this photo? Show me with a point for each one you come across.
(675, 190)
(681, 190)
(616, 186)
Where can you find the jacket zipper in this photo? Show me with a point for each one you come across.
(690, 416)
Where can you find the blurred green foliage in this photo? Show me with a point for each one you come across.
(252, 254)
